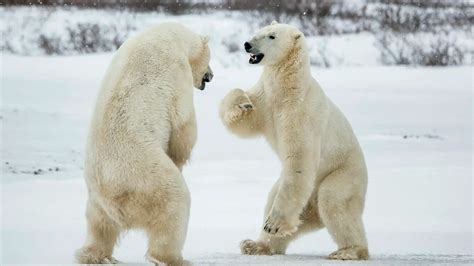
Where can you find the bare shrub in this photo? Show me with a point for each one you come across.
(421, 49)
(92, 38)
(439, 53)
(414, 15)
(50, 45)
(320, 59)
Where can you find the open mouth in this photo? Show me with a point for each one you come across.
(203, 85)
(207, 78)
(256, 58)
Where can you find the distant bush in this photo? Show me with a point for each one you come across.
(422, 49)
(320, 56)
(82, 38)
(92, 38)
(412, 16)
(52, 31)
(50, 45)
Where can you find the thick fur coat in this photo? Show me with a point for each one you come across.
(324, 178)
(142, 133)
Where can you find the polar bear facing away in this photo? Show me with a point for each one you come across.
(142, 133)
(324, 178)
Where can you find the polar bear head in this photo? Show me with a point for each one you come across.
(199, 61)
(273, 43)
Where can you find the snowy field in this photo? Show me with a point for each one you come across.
(414, 124)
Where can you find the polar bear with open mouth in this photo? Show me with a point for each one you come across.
(324, 177)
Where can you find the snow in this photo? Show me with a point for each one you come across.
(414, 124)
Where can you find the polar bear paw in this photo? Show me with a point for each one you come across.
(236, 105)
(350, 253)
(168, 262)
(88, 256)
(250, 247)
(280, 225)
(246, 106)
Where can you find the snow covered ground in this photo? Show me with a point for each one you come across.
(414, 124)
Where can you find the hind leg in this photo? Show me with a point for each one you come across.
(166, 236)
(269, 244)
(341, 201)
(168, 216)
(102, 234)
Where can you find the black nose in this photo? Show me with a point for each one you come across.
(247, 46)
(208, 77)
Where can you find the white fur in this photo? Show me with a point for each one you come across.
(324, 178)
(142, 133)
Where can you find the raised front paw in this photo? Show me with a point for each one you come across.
(235, 106)
(280, 225)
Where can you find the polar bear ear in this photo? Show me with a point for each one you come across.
(205, 39)
(298, 35)
(274, 22)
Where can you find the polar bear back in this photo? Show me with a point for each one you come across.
(147, 88)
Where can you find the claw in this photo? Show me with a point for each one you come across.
(246, 106)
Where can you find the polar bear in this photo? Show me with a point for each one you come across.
(324, 177)
(142, 133)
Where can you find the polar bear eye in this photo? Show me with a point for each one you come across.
(271, 37)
